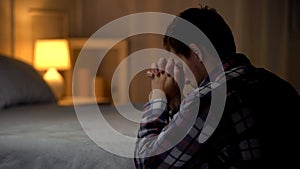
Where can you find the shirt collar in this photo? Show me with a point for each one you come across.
(226, 65)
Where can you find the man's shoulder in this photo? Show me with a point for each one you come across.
(275, 83)
(262, 86)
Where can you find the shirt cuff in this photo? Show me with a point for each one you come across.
(157, 94)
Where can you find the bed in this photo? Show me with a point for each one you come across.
(37, 133)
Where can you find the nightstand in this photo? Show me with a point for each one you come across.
(68, 101)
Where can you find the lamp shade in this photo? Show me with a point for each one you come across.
(53, 53)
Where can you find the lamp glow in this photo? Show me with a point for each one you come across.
(52, 55)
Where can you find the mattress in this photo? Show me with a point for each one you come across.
(50, 136)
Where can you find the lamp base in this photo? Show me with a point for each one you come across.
(55, 82)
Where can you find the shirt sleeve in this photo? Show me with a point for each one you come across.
(169, 143)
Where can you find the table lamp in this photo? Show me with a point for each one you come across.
(52, 55)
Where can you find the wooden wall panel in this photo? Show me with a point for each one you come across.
(43, 19)
(6, 38)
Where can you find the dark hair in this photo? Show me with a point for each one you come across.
(211, 24)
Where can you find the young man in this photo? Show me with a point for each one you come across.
(258, 125)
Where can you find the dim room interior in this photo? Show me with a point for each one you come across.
(48, 135)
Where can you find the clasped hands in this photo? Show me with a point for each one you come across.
(167, 80)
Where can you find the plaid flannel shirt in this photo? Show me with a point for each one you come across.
(226, 148)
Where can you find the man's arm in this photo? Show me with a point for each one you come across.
(164, 143)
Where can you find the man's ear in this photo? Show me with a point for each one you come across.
(196, 50)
